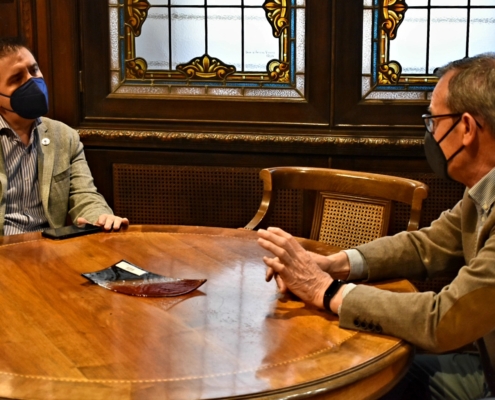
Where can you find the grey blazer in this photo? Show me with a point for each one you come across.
(66, 183)
(461, 313)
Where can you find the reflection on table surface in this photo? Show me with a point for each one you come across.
(234, 337)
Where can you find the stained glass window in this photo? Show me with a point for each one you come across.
(405, 40)
(234, 48)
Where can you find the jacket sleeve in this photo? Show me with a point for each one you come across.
(421, 254)
(461, 313)
(84, 200)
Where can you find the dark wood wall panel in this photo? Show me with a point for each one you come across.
(101, 162)
(186, 195)
(193, 188)
(9, 25)
(18, 19)
(334, 128)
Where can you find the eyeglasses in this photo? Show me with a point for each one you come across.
(428, 119)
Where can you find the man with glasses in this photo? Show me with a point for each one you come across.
(460, 145)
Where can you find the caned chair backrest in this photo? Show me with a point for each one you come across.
(351, 208)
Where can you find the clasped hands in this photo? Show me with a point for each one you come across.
(305, 274)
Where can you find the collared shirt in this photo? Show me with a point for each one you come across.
(483, 196)
(24, 210)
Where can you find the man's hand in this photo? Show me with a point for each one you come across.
(294, 267)
(337, 265)
(107, 221)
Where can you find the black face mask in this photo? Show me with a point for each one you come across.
(434, 154)
(30, 100)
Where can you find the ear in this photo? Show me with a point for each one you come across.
(470, 129)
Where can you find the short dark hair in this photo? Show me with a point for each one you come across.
(9, 45)
(472, 87)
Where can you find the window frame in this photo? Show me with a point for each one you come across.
(334, 112)
(352, 111)
(99, 105)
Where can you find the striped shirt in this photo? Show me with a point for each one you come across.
(24, 210)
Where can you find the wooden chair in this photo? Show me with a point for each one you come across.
(351, 208)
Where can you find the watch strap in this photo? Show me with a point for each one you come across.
(330, 292)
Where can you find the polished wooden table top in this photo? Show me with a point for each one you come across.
(63, 337)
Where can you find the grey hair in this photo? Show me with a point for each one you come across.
(472, 87)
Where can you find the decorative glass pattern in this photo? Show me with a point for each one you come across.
(405, 40)
(217, 48)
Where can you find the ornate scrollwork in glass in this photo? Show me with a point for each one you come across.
(278, 71)
(389, 73)
(393, 15)
(276, 13)
(137, 11)
(206, 67)
(384, 78)
(136, 68)
(152, 41)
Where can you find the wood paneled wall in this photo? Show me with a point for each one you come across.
(53, 29)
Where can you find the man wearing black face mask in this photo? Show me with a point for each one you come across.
(43, 172)
(460, 145)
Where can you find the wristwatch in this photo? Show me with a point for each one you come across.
(330, 292)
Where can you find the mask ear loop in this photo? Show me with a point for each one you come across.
(450, 130)
(460, 148)
(455, 153)
(4, 95)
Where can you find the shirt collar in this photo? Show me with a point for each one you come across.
(483, 193)
(5, 125)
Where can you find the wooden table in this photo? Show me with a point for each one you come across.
(235, 337)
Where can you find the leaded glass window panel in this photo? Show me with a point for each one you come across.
(228, 48)
(405, 40)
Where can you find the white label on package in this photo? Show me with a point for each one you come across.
(130, 268)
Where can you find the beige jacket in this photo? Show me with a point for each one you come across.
(66, 183)
(461, 313)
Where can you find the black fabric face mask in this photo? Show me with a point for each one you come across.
(30, 100)
(435, 157)
(434, 154)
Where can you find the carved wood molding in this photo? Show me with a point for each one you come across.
(107, 135)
